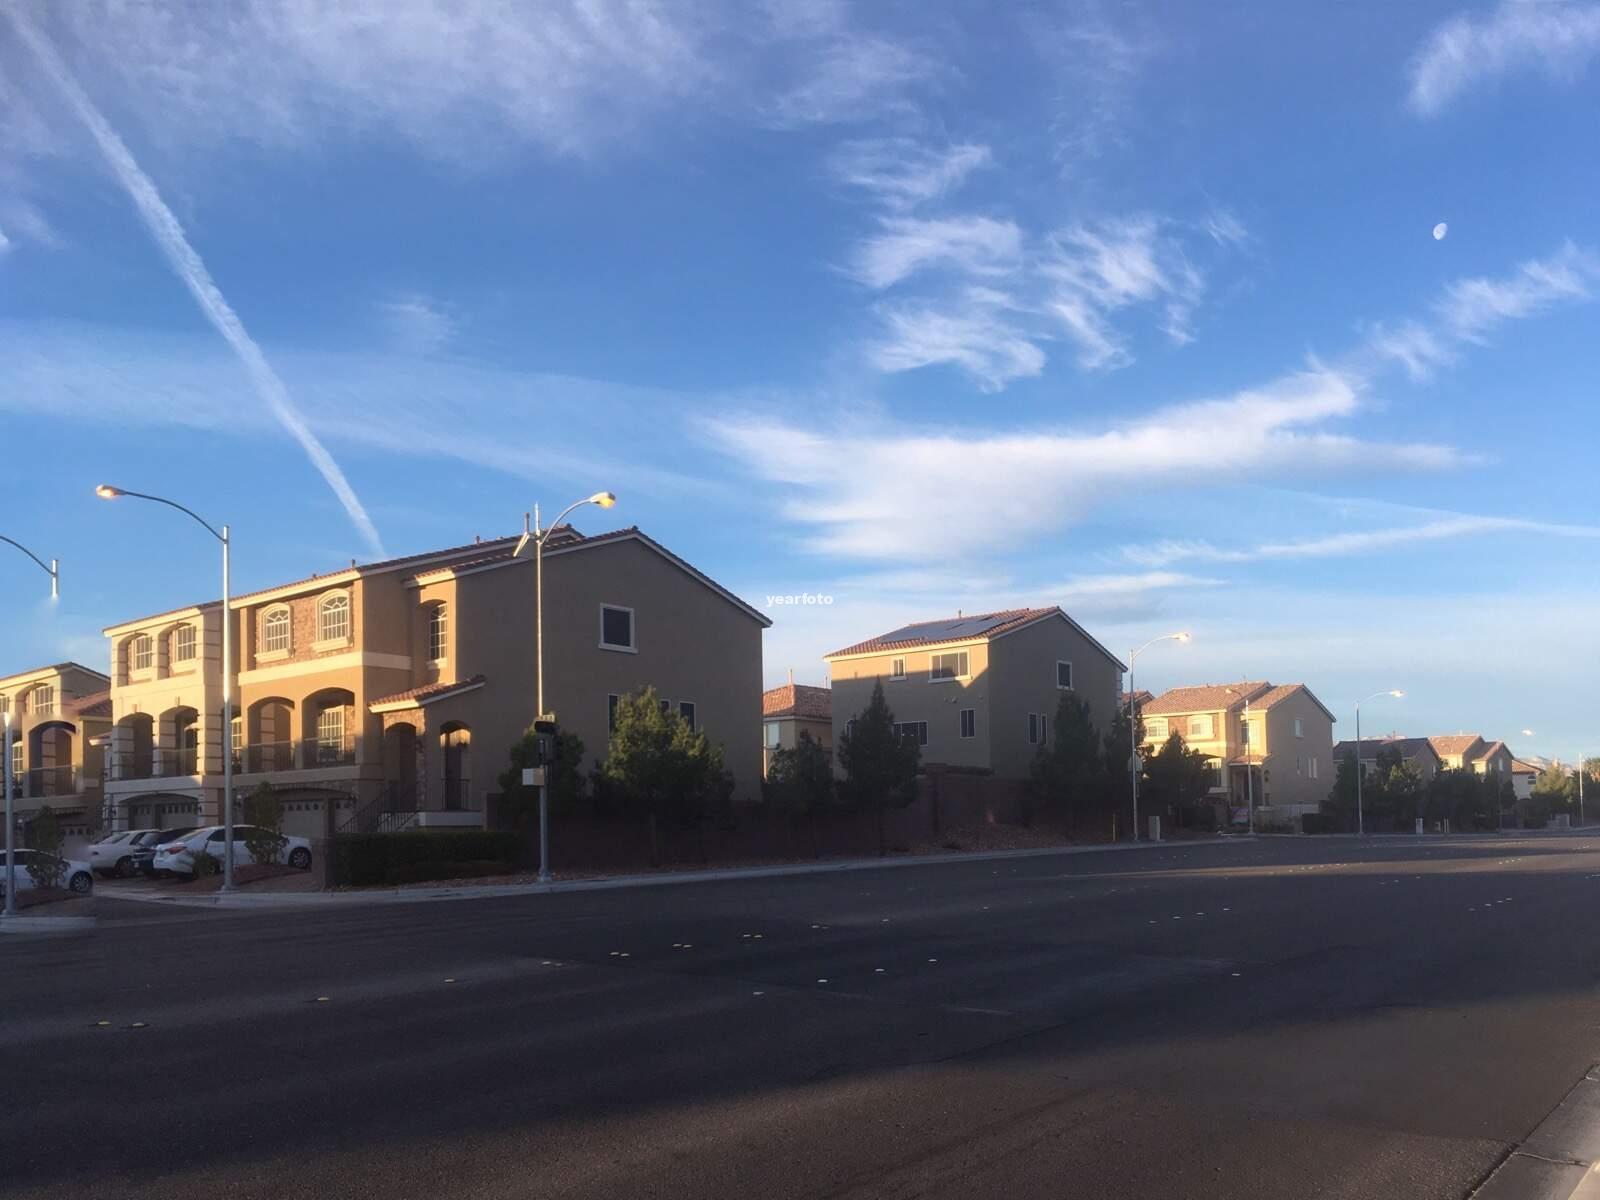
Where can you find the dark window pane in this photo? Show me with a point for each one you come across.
(616, 626)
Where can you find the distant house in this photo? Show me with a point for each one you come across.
(59, 718)
(1523, 776)
(1469, 751)
(1139, 699)
(789, 711)
(979, 690)
(1418, 751)
(1284, 748)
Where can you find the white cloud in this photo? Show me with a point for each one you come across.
(417, 324)
(169, 236)
(969, 244)
(973, 333)
(1093, 64)
(1469, 310)
(851, 77)
(1553, 37)
(1354, 542)
(901, 173)
(855, 484)
(1224, 228)
(5, 242)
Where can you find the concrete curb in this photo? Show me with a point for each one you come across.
(45, 926)
(420, 895)
(1560, 1159)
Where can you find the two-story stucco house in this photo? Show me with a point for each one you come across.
(789, 711)
(1274, 742)
(1417, 751)
(59, 718)
(1458, 751)
(981, 690)
(393, 691)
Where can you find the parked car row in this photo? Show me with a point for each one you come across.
(164, 852)
(74, 874)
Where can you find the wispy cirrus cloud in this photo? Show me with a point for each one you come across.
(417, 324)
(853, 484)
(1555, 38)
(902, 173)
(968, 245)
(1468, 311)
(975, 331)
(1349, 543)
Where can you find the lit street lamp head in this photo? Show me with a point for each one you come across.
(106, 492)
(1182, 637)
(1397, 694)
(603, 499)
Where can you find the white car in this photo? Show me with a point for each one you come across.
(120, 853)
(75, 875)
(178, 856)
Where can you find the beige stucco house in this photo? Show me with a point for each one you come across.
(393, 691)
(789, 711)
(978, 691)
(1282, 735)
(1470, 750)
(59, 718)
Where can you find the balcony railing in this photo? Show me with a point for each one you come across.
(177, 763)
(51, 781)
(307, 755)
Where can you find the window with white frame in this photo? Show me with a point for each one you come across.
(1299, 727)
(183, 644)
(275, 630)
(916, 731)
(947, 666)
(1313, 768)
(1063, 675)
(1035, 729)
(1155, 729)
(142, 656)
(438, 633)
(1200, 727)
(330, 733)
(333, 618)
(969, 722)
(686, 711)
(897, 668)
(5, 703)
(16, 761)
(774, 733)
(616, 628)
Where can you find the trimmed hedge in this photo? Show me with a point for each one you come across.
(364, 859)
(1319, 823)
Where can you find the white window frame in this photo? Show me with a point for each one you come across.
(178, 644)
(633, 629)
(142, 647)
(773, 735)
(963, 673)
(328, 603)
(897, 668)
(1313, 766)
(969, 722)
(1210, 727)
(42, 699)
(1156, 727)
(438, 633)
(692, 716)
(326, 736)
(1299, 728)
(269, 618)
(1033, 730)
(1068, 685)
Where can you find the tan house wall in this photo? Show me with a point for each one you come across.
(916, 698)
(789, 730)
(1288, 774)
(60, 766)
(1024, 670)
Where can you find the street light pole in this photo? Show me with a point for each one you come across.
(52, 569)
(106, 492)
(537, 538)
(1133, 720)
(1361, 824)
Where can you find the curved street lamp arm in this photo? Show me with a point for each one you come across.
(47, 568)
(209, 527)
(556, 524)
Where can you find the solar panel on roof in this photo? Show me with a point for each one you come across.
(959, 627)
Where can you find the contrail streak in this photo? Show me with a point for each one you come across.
(169, 235)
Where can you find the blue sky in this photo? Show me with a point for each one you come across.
(1131, 308)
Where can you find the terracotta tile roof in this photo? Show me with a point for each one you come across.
(1494, 747)
(1208, 697)
(1518, 767)
(428, 691)
(389, 564)
(977, 627)
(96, 704)
(59, 668)
(798, 700)
(1452, 743)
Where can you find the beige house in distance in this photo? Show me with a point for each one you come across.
(59, 718)
(392, 692)
(789, 711)
(1469, 750)
(1418, 751)
(978, 691)
(1286, 743)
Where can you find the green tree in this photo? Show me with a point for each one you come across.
(45, 836)
(1556, 790)
(1069, 771)
(1341, 801)
(564, 778)
(657, 765)
(1176, 776)
(800, 783)
(263, 822)
(880, 766)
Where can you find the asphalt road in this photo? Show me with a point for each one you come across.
(1269, 1019)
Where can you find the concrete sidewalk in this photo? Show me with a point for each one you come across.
(422, 894)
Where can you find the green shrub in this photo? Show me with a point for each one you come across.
(364, 859)
(45, 836)
(205, 865)
(263, 814)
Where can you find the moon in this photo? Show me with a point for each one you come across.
(1439, 231)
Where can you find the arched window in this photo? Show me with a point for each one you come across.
(438, 633)
(275, 629)
(142, 654)
(183, 644)
(42, 699)
(333, 618)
